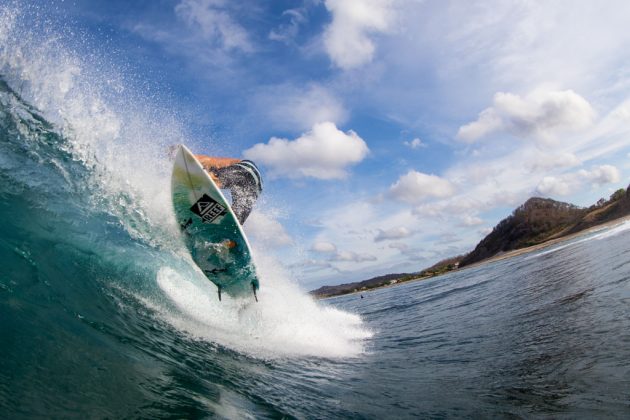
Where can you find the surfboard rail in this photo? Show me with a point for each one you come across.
(210, 228)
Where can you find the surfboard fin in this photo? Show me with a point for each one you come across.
(254, 290)
(219, 290)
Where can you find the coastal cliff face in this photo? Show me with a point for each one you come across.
(536, 221)
(542, 219)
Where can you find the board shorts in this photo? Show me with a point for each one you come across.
(245, 184)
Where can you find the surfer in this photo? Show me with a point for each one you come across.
(241, 177)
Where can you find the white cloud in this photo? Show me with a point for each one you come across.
(469, 220)
(599, 175)
(347, 38)
(313, 265)
(323, 153)
(540, 115)
(350, 256)
(447, 238)
(393, 233)
(415, 144)
(551, 185)
(459, 205)
(265, 229)
(487, 122)
(399, 246)
(214, 23)
(415, 187)
(569, 183)
(545, 162)
(288, 31)
(299, 108)
(324, 247)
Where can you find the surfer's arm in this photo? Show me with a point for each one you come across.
(210, 163)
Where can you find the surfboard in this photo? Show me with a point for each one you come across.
(210, 229)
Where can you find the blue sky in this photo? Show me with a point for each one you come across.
(391, 133)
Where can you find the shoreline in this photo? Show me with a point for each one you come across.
(552, 242)
(503, 256)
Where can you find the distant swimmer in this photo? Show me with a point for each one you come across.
(241, 177)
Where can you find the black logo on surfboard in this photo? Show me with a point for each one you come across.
(208, 209)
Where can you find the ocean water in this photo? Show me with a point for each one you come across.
(103, 313)
(545, 334)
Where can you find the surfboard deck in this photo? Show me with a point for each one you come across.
(210, 229)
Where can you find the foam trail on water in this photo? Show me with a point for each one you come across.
(122, 137)
(284, 321)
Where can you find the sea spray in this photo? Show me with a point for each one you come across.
(110, 146)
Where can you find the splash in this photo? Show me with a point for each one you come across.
(120, 137)
(284, 322)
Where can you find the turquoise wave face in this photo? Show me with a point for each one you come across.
(83, 327)
(102, 309)
(103, 313)
(69, 267)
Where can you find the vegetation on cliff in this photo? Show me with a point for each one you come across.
(543, 219)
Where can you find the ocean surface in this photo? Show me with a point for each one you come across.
(104, 315)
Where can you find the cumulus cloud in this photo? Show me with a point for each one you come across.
(545, 162)
(415, 144)
(399, 246)
(569, 183)
(267, 230)
(599, 175)
(350, 256)
(299, 108)
(460, 205)
(314, 265)
(551, 185)
(540, 115)
(447, 238)
(286, 32)
(393, 233)
(415, 187)
(214, 23)
(324, 247)
(346, 39)
(469, 220)
(323, 153)
(333, 256)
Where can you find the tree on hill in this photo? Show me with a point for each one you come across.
(618, 195)
(533, 222)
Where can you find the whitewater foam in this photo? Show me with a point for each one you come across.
(122, 138)
(284, 322)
